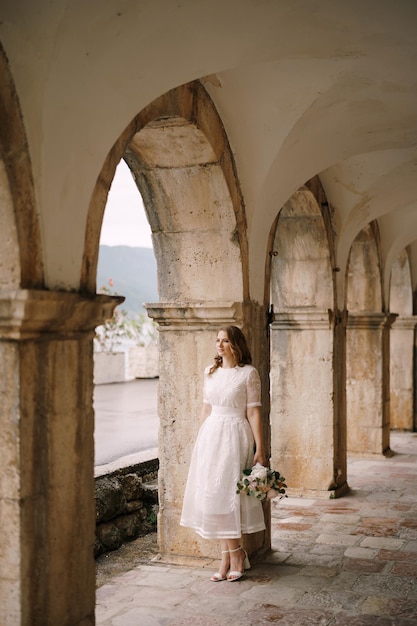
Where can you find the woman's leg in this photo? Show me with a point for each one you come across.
(237, 557)
(224, 562)
(238, 560)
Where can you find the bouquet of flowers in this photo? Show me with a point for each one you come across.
(262, 482)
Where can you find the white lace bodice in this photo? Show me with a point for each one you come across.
(237, 387)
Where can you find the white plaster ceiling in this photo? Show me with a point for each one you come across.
(303, 88)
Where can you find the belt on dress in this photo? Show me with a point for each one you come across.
(228, 411)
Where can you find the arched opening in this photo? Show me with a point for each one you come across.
(367, 349)
(125, 375)
(177, 144)
(178, 153)
(125, 347)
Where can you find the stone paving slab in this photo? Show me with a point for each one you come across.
(346, 562)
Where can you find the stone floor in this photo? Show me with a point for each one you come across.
(345, 562)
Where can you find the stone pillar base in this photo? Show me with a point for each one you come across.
(319, 494)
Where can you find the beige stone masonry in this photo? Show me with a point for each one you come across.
(367, 382)
(47, 456)
(27, 314)
(304, 447)
(193, 315)
(187, 342)
(401, 372)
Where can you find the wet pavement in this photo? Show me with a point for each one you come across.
(345, 562)
(126, 420)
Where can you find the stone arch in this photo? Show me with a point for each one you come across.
(401, 291)
(401, 344)
(367, 348)
(301, 275)
(20, 244)
(304, 441)
(178, 152)
(363, 273)
(180, 158)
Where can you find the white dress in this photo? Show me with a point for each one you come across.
(223, 449)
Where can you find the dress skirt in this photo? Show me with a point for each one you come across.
(223, 449)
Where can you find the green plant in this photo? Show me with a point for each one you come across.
(152, 518)
(114, 330)
(141, 329)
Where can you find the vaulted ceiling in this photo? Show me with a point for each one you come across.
(303, 88)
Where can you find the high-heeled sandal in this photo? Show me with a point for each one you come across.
(235, 574)
(217, 577)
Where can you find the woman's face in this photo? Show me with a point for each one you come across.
(223, 346)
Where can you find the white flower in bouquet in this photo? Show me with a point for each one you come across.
(259, 471)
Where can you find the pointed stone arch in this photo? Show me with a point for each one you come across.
(46, 492)
(363, 276)
(401, 291)
(20, 244)
(306, 433)
(180, 158)
(367, 348)
(302, 274)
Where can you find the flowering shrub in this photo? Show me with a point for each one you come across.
(119, 327)
(143, 330)
(262, 482)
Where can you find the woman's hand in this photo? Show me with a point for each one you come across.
(259, 457)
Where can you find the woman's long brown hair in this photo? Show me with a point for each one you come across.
(238, 346)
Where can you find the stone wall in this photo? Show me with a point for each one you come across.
(119, 367)
(143, 362)
(126, 505)
(109, 367)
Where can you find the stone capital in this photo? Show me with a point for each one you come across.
(406, 322)
(365, 320)
(28, 314)
(302, 319)
(194, 315)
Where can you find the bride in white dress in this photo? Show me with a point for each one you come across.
(230, 440)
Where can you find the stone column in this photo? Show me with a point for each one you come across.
(47, 511)
(401, 372)
(367, 383)
(187, 346)
(307, 423)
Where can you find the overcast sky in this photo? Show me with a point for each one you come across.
(125, 222)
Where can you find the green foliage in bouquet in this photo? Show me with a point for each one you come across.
(263, 483)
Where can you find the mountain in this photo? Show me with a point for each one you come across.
(133, 272)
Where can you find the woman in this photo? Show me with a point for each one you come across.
(230, 440)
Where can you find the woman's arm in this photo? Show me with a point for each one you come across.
(205, 412)
(255, 421)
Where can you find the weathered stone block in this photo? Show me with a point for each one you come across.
(130, 526)
(109, 535)
(133, 505)
(150, 494)
(109, 497)
(132, 486)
